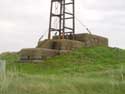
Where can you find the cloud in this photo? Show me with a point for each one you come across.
(23, 21)
(6, 25)
(103, 4)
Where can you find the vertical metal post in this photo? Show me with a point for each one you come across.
(73, 18)
(2, 67)
(60, 20)
(63, 18)
(49, 34)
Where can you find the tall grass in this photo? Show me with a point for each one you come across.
(104, 82)
(84, 71)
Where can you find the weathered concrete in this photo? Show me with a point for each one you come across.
(50, 48)
(63, 44)
(37, 54)
(89, 40)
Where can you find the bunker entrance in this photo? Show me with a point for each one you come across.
(56, 45)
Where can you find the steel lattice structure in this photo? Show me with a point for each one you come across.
(62, 18)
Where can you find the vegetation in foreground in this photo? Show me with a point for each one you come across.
(96, 70)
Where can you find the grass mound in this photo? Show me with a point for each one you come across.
(98, 70)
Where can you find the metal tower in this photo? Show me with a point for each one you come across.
(62, 18)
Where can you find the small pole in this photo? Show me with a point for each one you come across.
(2, 67)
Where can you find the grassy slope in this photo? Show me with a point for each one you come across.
(96, 70)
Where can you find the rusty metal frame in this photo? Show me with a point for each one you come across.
(62, 19)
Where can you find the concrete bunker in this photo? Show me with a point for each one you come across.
(50, 48)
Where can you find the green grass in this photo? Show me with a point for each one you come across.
(98, 70)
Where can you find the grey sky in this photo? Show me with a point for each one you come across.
(23, 21)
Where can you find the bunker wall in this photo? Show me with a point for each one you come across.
(37, 54)
(60, 44)
(89, 40)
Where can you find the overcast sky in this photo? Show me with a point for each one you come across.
(22, 22)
